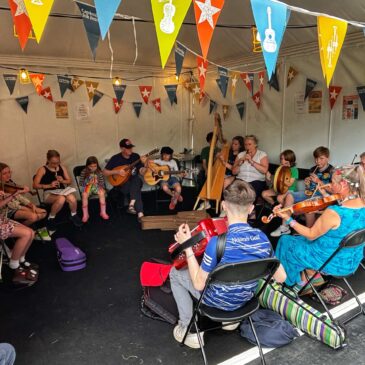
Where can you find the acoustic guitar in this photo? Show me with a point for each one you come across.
(118, 180)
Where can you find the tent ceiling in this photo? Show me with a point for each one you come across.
(66, 38)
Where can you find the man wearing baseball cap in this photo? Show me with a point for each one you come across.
(134, 184)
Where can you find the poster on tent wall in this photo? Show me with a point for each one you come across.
(350, 107)
(61, 109)
(315, 102)
(299, 103)
(82, 111)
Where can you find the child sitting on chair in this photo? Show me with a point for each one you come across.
(173, 181)
(92, 183)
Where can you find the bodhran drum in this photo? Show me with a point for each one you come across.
(282, 179)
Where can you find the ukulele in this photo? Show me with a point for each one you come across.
(269, 43)
(118, 180)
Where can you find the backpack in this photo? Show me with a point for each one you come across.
(70, 257)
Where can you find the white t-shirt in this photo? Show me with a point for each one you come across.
(171, 164)
(247, 172)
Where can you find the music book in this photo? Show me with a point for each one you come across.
(65, 191)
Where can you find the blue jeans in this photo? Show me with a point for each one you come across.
(7, 354)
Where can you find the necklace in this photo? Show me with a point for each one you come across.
(350, 197)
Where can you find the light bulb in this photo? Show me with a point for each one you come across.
(117, 81)
(23, 75)
(258, 38)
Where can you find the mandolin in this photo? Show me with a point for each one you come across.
(118, 180)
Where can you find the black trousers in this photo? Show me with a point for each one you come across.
(133, 188)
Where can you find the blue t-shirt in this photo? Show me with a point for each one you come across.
(325, 176)
(243, 243)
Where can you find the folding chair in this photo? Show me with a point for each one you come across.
(351, 241)
(234, 274)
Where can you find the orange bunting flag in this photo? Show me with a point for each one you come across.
(91, 86)
(202, 71)
(261, 81)
(234, 79)
(21, 21)
(47, 94)
(157, 104)
(76, 83)
(145, 92)
(206, 16)
(334, 91)
(291, 74)
(117, 105)
(257, 99)
(37, 80)
(331, 35)
(225, 110)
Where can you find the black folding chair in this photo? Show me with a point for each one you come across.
(232, 274)
(351, 241)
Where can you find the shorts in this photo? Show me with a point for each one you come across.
(6, 228)
(299, 196)
(171, 182)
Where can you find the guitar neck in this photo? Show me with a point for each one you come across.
(269, 16)
(146, 155)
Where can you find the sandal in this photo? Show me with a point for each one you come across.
(131, 210)
(26, 277)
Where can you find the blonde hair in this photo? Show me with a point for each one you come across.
(239, 195)
(354, 176)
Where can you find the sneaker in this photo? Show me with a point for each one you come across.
(280, 231)
(180, 198)
(230, 327)
(204, 205)
(173, 203)
(42, 235)
(191, 339)
(51, 225)
(75, 219)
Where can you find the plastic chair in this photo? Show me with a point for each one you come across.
(233, 274)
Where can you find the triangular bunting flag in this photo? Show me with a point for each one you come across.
(331, 35)
(334, 91)
(212, 106)
(21, 21)
(47, 94)
(257, 99)
(202, 98)
(145, 92)
(225, 110)
(168, 17)
(248, 79)
(223, 77)
(261, 81)
(274, 82)
(361, 92)
(309, 86)
(241, 109)
(222, 88)
(23, 102)
(291, 74)
(10, 81)
(202, 71)
(137, 108)
(171, 92)
(38, 11)
(91, 25)
(37, 80)
(64, 84)
(119, 91)
(157, 104)
(105, 10)
(97, 96)
(76, 83)
(271, 20)
(117, 105)
(206, 16)
(180, 52)
(91, 86)
(234, 79)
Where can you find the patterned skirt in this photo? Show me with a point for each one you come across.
(6, 227)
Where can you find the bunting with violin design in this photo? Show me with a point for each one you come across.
(309, 86)
(261, 75)
(91, 87)
(97, 96)
(21, 21)
(331, 35)
(241, 109)
(38, 12)
(361, 92)
(202, 71)
(105, 10)
(248, 79)
(37, 80)
(223, 80)
(23, 102)
(180, 52)
(145, 92)
(119, 91)
(257, 99)
(168, 16)
(47, 94)
(171, 93)
(10, 81)
(65, 83)
(271, 19)
(137, 106)
(333, 92)
(234, 79)
(207, 13)
(157, 104)
(117, 104)
(291, 75)
(76, 83)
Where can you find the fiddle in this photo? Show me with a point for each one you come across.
(13, 188)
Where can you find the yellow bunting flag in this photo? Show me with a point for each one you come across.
(234, 79)
(331, 35)
(91, 87)
(168, 16)
(38, 11)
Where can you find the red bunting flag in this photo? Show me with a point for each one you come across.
(47, 94)
(248, 80)
(206, 16)
(157, 104)
(117, 105)
(202, 96)
(21, 21)
(334, 91)
(261, 81)
(37, 80)
(145, 92)
(257, 99)
(202, 71)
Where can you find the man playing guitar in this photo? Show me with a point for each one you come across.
(133, 185)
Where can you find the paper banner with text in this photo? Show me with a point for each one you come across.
(241, 109)
(38, 12)
(225, 111)
(97, 96)
(333, 92)
(271, 20)
(157, 104)
(23, 102)
(202, 71)
(91, 24)
(257, 99)
(64, 84)
(206, 16)
(168, 17)
(248, 79)
(105, 10)
(212, 106)
(22, 23)
(291, 75)
(261, 75)
(331, 35)
(145, 92)
(361, 92)
(37, 80)
(234, 79)
(10, 81)
(76, 83)
(309, 86)
(117, 105)
(47, 94)
(119, 91)
(91, 86)
(223, 77)
(137, 106)
(171, 93)
(180, 52)
(274, 82)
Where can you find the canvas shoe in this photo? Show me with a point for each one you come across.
(204, 205)
(191, 339)
(42, 235)
(280, 231)
(230, 327)
(173, 203)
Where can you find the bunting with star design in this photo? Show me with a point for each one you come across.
(202, 71)
(117, 104)
(234, 79)
(145, 92)
(91, 86)
(248, 79)
(291, 75)
(257, 99)
(333, 92)
(21, 21)
(47, 94)
(37, 80)
(76, 83)
(261, 81)
(157, 104)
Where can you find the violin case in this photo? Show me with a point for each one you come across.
(70, 257)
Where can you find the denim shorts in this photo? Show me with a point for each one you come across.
(171, 182)
(299, 196)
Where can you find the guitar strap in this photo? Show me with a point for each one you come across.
(221, 246)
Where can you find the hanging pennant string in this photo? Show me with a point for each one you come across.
(111, 56)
